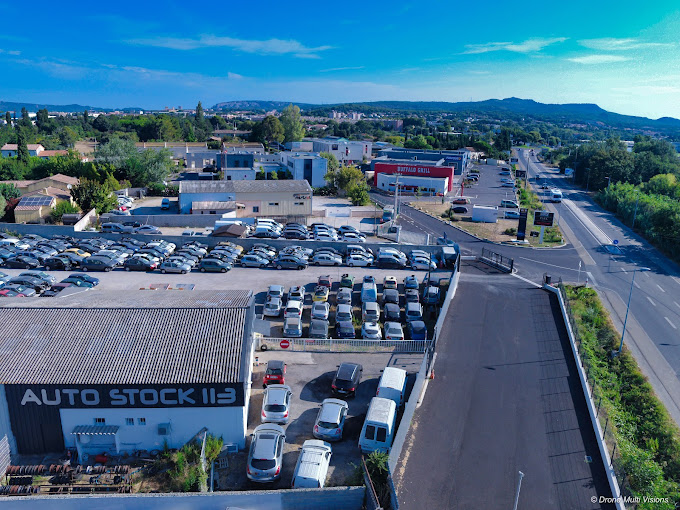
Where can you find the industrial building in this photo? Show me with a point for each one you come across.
(269, 198)
(305, 165)
(412, 184)
(406, 168)
(345, 151)
(116, 372)
(458, 159)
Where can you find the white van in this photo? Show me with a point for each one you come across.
(556, 195)
(312, 465)
(378, 430)
(392, 385)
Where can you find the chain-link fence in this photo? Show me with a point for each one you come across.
(606, 421)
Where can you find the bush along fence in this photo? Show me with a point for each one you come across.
(642, 441)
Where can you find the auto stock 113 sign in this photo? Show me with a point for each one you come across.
(126, 396)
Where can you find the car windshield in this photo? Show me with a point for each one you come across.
(274, 371)
(263, 464)
(327, 425)
(275, 408)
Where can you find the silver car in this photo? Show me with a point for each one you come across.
(174, 266)
(371, 331)
(326, 259)
(343, 313)
(272, 308)
(344, 296)
(276, 404)
(320, 310)
(330, 421)
(265, 457)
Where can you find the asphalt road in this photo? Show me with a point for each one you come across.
(506, 397)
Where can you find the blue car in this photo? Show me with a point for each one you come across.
(417, 330)
(344, 329)
(86, 278)
(411, 282)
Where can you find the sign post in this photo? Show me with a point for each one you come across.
(543, 219)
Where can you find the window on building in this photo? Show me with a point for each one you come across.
(237, 163)
(129, 422)
(100, 421)
(299, 203)
(256, 208)
(141, 421)
(229, 177)
(213, 212)
(273, 204)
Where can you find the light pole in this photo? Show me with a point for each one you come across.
(519, 486)
(637, 201)
(625, 321)
(609, 181)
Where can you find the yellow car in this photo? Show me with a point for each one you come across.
(320, 293)
(78, 251)
(390, 282)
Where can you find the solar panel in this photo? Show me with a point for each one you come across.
(36, 200)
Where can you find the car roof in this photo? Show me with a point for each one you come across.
(275, 363)
(391, 291)
(344, 308)
(391, 306)
(331, 409)
(318, 324)
(417, 325)
(413, 305)
(276, 393)
(393, 325)
(371, 305)
(278, 288)
(347, 369)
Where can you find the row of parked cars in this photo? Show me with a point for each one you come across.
(265, 457)
(32, 283)
(374, 317)
(270, 229)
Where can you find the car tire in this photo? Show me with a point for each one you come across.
(83, 268)
(47, 268)
(262, 266)
(223, 270)
(127, 268)
(300, 268)
(203, 270)
(336, 264)
(107, 269)
(279, 266)
(162, 271)
(351, 264)
(263, 347)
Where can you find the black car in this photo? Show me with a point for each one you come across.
(31, 282)
(460, 209)
(95, 263)
(347, 228)
(59, 263)
(391, 296)
(138, 264)
(389, 262)
(295, 234)
(21, 262)
(133, 224)
(345, 329)
(289, 262)
(318, 328)
(392, 312)
(86, 278)
(75, 259)
(266, 234)
(347, 379)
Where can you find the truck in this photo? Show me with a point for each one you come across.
(484, 213)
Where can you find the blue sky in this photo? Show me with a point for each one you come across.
(621, 55)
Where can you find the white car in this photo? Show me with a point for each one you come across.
(272, 308)
(371, 331)
(512, 214)
(353, 237)
(325, 236)
(359, 260)
(293, 310)
(393, 331)
(508, 185)
(276, 404)
(423, 264)
(320, 310)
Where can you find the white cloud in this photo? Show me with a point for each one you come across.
(598, 59)
(333, 69)
(528, 46)
(266, 47)
(10, 52)
(620, 44)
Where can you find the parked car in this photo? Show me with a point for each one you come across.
(292, 327)
(326, 281)
(147, 229)
(370, 311)
(512, 214)
(344, 296)
(275, 291)
(289, 262)
(56, 289)
(265, 457)
(276, 404)
(296, 293)
(21, 262)
(461, 200)
(445, 241)
(343, 313)
(391, 312)
(347, 281)
(77, 282)
(413, 312)
(345, 329)
(459, 209)
(391, 296)
(7, 292)
(272, 308)
(254, 261)
(320, 293)
(411, 282)
(371, 331)
(86, 278)
(423, 264)
(59, 263)
(347, 379)
(41, 275)
(175, 266)
(411, 296)
(139, 264)
(416, 330)
(320, 310)
(31, 282)
(275, 373)
(390, 262)
(353, 237)
(431, 295)
(393, 331)
(359, 260)
(165, 204)
(326, 259)
(95, 263)
(330, 420)
(213, 265)
(318, 329)
(23, 290)
(294, 309)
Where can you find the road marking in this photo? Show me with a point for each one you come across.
(676, 304)
(624, 271)
(527, 280)
(660, 288)
(677, 280)
(552, 265)
(591, 278)
(651, 300)
(636, 285)
(669, 322)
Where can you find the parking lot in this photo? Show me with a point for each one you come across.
(309, 376)
(488, 190)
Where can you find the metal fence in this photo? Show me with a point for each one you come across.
(343, 345)
(497, 260)
(4, 455)
(606, 422)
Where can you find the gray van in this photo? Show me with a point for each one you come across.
(379, 427)
(312, 465)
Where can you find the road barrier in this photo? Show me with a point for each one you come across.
(343, 345)
(500, 262)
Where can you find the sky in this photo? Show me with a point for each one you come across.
(621, 55)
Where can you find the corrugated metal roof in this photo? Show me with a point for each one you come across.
(96, 430)
(199, 206)
(270, 186)
(139, 337)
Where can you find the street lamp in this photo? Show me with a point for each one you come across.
(625, 321)
(609, 181)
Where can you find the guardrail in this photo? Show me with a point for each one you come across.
(343, 345)
(497, 260)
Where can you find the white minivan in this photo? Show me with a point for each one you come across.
(392, 385)
(379, 427)
(556, 195)
(312, 465)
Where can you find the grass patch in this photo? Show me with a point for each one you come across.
(647, 440)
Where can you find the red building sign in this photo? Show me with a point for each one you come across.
(415, 169)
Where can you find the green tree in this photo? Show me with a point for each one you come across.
(22, 147)
(267, 131)
(9, 190)
(42, 119)
(67, 136)
(213, 447)
(86, 118)
(25, 118)
(348, 175)
(357, 192)
(3, 206)
(8, 119)
(292, 124)
(92, 195)
(417, 142)
(333, 164)
(101, 123)
(199, 118)
(63, 207)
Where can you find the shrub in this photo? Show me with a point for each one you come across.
(510, 231)
(63, 207)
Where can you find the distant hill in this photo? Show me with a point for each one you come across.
(7, 106)
(573, 112)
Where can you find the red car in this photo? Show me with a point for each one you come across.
(460, 200)
(275, 374)
(11, 293)
(325, 281)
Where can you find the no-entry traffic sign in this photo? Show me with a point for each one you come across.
(284, 344)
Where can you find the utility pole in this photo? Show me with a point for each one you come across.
(519, 487)
(396, 196)
(637, 201)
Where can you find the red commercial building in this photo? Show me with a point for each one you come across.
(414, 168)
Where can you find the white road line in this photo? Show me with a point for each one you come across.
(547, 264)
(527, 280)
(636, 285)
(650, 300)
(676, 304)
(669, 322)
(677, 280)
(660, 288)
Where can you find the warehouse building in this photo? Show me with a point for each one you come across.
(458, 159)
(115, 372)
(432, 186)
(431, 169)
(269, 198)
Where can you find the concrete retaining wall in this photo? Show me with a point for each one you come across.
(167, 220)
(331, 498)
(592, 408)
(86, 221)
